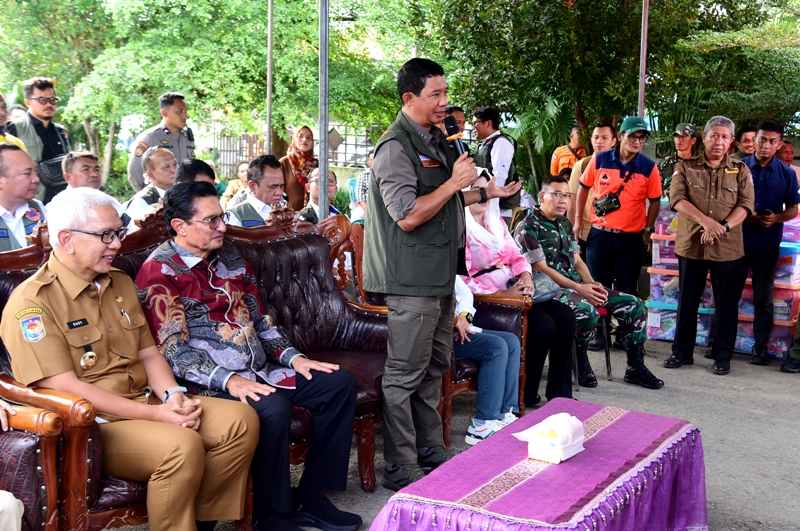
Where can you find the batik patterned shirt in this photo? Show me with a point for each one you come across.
(206, 319)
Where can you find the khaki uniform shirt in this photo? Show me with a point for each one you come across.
(715, 192)
(52, 316)
(158, 136)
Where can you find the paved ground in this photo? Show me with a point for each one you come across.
(748, 419)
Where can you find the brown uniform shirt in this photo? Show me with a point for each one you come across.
(715, 192)
(52, 316)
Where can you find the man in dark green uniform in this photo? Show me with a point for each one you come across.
(685, 137)
(414, 240)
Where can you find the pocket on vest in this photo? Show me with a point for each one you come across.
(425, 256)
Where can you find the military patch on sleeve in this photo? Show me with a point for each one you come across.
(20, 314)
(140, 149)
(32, 328)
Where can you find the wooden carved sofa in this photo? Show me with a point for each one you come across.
(298, 290)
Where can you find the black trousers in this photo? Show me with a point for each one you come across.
(615, 259)
(764, 264)
(551, 328)
(332, 401)
(727, 282)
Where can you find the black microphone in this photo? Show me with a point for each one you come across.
(454, 134)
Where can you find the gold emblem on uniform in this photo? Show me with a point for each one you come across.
(164, 142)
(119, 299)
(88, 359)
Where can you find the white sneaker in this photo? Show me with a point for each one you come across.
(476, 434)
(507, 419)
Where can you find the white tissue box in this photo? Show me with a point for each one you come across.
(555, 439)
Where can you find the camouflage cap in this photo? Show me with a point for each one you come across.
(685, 130)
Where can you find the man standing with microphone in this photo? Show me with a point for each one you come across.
(414, 247)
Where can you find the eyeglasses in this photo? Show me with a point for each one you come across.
(331, 182)
(560, 195)
(106, 236)
(42, 100)
(213, 221)
(640, 139)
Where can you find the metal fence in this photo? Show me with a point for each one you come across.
(353, 147)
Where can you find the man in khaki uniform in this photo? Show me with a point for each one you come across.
(76, 326)
(713, 193)
(170, 133)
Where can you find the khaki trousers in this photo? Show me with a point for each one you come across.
(419, 348)
(11, 511)
(191, 475)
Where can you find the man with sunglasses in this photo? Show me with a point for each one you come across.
(623, 180)
(202, 303)
(76, 326)
(44, 140)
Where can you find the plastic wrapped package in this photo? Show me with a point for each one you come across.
(789, 263)
(785, 302)
(664, 287)
(664, 252)
(662, 319)
(779, 343)
(667, 221)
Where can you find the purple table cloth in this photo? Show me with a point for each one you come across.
(638, 472)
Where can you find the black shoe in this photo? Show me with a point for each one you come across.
(721, 367)
(708, 354)
(618, 344)
(533, 402)
(396, 477)
(759, 356)
(430, 458)
(318, 511)
(675, 361)
(586, 375)
(791, 365)
(597, 344)
(640, 375)
(274, 522)
(205, 525)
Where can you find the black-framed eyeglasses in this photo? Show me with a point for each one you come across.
(106, 236)
(42, 100)
(213, 221)
(641, 139)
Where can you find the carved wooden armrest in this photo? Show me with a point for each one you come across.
(508, 300)
(36, 420)
(73, 410)
(369, 308)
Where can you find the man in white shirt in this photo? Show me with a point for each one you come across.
(496, 154)
(265, 186)
(160, 166)
(19, 211)
(311, 211)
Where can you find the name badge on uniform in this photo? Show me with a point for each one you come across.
(77, 324)
(427, 161)
(3, 233)
(731, 171)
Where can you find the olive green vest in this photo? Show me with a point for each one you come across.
(7, 240)
(247, 215)
(483, 159)
(422, 262)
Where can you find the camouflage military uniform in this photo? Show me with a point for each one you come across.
(667, 167)
(553, 241)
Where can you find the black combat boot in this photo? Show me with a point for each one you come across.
(586, 375)
(637, 373)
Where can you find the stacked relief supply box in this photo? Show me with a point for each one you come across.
(662, 307)
(785, 300)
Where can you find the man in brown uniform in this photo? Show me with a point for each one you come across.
(76, 326)
(713, 194)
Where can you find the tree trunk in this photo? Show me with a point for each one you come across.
(93, 136)
(279, 145)
(108, 152)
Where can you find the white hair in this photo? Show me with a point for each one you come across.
(720, 121)
(70, 210)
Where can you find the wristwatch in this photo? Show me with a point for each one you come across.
(468, 316)
(179, 389)
(725, 224)
(649, 230)
(484, 196)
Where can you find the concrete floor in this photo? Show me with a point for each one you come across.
(748, 419)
